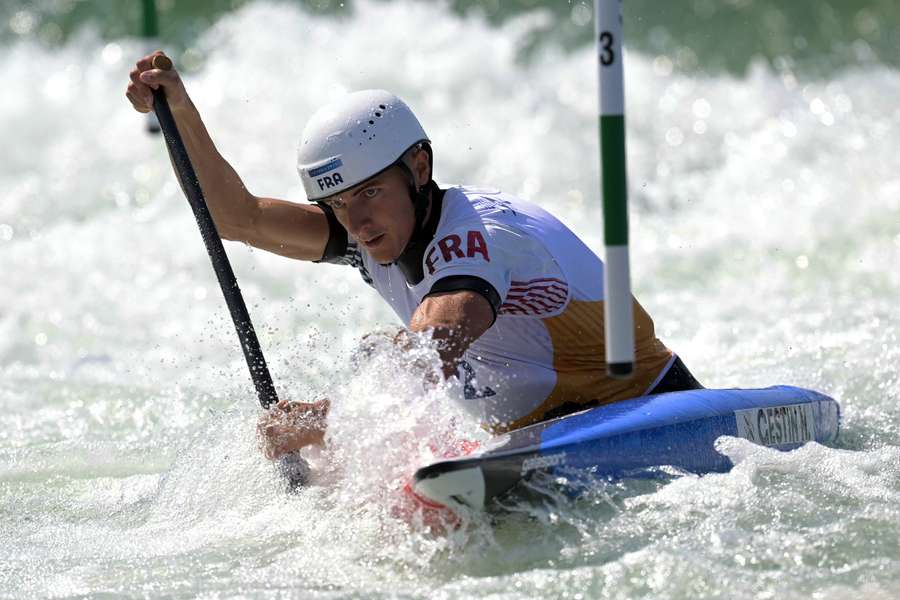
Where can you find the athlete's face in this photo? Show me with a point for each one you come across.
(378, 213)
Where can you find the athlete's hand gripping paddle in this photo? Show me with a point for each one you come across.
(292, 466)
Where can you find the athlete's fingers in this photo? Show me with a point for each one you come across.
(261, 432)
(269, 445)
(288, 426)
(140, 97)
(270, 418)
(138, 105)
(145, 63)
(145, 77)
(272, 441)
(281, 432)
(306, 414)
(320, 407)
(280, 440)
(278, 434)
(138, 88)
(157, 77)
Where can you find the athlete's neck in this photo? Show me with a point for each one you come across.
(410, 262)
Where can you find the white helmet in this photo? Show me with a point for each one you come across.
(353, 139)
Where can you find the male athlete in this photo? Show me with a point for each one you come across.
(513, 298)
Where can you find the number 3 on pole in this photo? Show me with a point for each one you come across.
(607, 56)
(617, 306)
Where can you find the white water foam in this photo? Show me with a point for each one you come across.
(765, 233)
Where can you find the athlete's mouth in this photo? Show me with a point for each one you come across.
(373, 241)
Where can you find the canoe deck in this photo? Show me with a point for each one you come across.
(634, 438)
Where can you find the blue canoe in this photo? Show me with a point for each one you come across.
(634, 438)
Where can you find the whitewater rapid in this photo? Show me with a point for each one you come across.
(765, 213)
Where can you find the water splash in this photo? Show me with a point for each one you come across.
(764, 235)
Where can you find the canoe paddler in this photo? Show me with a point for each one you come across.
(512, 296)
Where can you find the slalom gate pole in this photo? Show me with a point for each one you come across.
(150, 34)
(617, 308)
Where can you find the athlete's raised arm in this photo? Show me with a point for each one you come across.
(292, 230)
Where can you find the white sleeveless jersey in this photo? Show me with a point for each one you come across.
(546, 347)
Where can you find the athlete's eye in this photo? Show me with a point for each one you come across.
(337, 203)
(371, 192)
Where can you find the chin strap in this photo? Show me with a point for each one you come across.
(420, 204)
(419, 195)
(410, 260)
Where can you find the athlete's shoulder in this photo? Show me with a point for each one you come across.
(482, 204)
(516, 232)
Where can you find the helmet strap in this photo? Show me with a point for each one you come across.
(410, 260)
(419, 194)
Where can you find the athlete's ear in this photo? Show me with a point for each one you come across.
(421, 166)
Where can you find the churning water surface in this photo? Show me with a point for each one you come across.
(765, 213)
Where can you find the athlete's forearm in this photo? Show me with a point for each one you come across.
(451, 345)
(449, 353)
(229, 202)
(455, 319)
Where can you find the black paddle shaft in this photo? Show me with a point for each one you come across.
(265, 389)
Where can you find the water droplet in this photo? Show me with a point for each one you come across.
(701, 108)
(662, 65)
(817, 107)
(22, 22)
(582, 14)
(788, 129)
(111, 54)
(674, 136)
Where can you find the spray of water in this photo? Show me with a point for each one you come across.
(765, 232)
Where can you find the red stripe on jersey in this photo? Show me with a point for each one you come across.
(510, 308)
(549, 289)
(528, 304)
(535, 286)
(551, 296)
(537, 296)
(540, 279)
(545, 302)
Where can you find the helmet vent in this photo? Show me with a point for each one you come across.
(371, 122)
(382, 107)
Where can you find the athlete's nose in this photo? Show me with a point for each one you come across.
(358, 216)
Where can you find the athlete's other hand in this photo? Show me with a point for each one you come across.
(289, 426)
(145, 78)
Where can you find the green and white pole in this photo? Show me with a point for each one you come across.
(150, 34)
(618, 315)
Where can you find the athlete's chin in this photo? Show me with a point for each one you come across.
(385, 259)
(383, 256)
